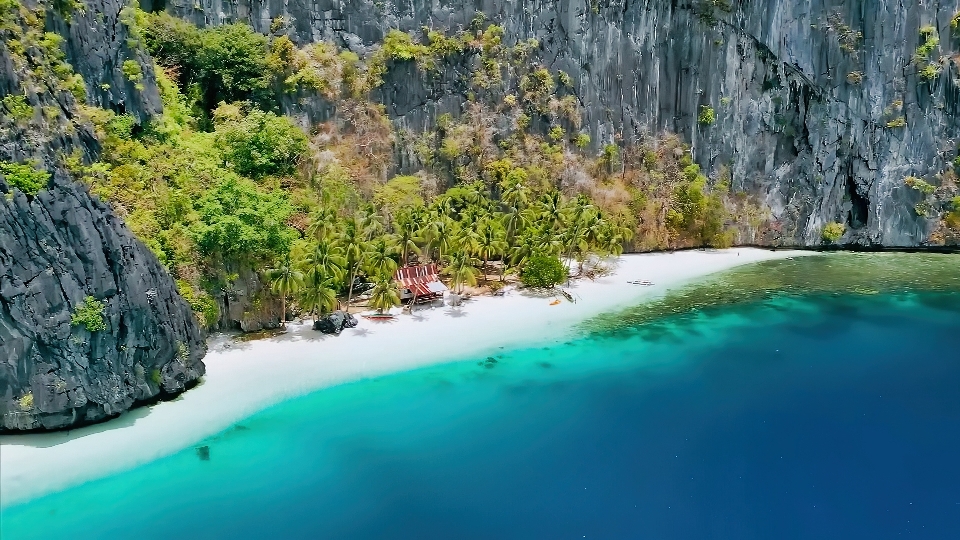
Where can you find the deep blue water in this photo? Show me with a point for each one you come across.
(826, 417)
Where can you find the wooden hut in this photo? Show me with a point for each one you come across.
(419, 284)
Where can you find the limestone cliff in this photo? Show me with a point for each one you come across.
(61, 245)
(821, 108)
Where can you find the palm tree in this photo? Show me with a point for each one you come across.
(379, 257)
(285, 280)
(462, 270)
(438, 233)
(384, 295)
(491, 242)
(576, 234)
(408, 227)
(319, 295)
(353, 238)
(323, 223)
(323, 266)
(551, 209)
(516, 198)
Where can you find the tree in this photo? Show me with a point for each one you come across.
(285, 280)
(232, 64)
(323, 267)
(516, 198)
(491, 242)
(408, 226)
(384, 295)
(543, 271)
(438, 233)
(833, 231)
(259, 143)
(318, 295)
(323, 222)
(238, 222)
(577, 234)
(398, 193)
(353, 238)
(462, 270)
(379, 257)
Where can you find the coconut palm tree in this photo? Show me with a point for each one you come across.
(516, 197)
(379, 258)
(319, 294)
(384, 295)
(323, 267)
(408, 227)
(576, 236)
(438, 233)
(551, 209)
(353, 238)
(323, 223)
(462, 270)
(491, 242)
(285, 279)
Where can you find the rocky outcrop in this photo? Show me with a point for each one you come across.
(57, 249)
(822, 108)
(248, 305)
(61, 246)
(334, 323)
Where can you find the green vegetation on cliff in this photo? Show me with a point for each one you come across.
(221, 183)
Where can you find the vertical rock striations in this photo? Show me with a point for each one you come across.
(56, 249)
(61, 245)
(822, 108)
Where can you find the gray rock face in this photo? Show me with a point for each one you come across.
(802, 101)
(55, 250)
(63, 245)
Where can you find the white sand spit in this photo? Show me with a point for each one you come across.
(245, 377)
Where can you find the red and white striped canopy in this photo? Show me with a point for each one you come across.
(421, 280)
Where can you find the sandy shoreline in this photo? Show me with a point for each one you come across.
(245, 377)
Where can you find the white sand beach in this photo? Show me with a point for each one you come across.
(245, 377)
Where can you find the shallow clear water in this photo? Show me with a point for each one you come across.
(796, 414)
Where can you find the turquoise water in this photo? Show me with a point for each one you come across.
(801, 415)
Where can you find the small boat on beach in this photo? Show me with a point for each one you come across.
(644, 282)
(378, 316)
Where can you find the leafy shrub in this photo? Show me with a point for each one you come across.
(205, 307)
(897, 122)
(26, 402)
(583, 141)
(89, 314)
(855, 77)
(24, 177)
(543, 271)
(931, 71)
(919, 185)
(132, 71)
(930, 41)
(924, 209)
(155, 376)
(707, 116)
(260, 143)
(19, 108)
(952, 219)
(833, 231)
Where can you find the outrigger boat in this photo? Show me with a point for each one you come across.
(378, 316)
(644, 282)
